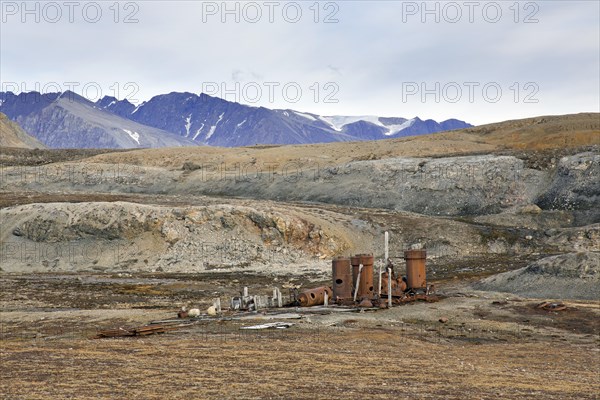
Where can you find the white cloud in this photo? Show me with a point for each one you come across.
(370, 55)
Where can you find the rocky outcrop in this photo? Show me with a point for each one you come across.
(565, 276)
(451, 186)
(575, 184)
(113, 236)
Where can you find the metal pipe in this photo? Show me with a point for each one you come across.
(360, 267)
(279, 299)
(385, 259)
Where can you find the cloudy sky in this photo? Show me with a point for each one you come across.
(476, 61)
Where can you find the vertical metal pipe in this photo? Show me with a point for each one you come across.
(385, 259)
(387, 242)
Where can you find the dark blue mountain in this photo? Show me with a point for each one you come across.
(217, 122)
(67, 120)
(188, 119)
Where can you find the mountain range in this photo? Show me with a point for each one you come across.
(67, 120)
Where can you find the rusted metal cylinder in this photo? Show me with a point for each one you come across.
(366, 287)
(314, 297)
(415, 269)
(355, 261)
(342, 278)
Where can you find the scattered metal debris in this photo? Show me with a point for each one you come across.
(353, 289)
(245, 302)
(550, 306)
(271, 325)
(145, 330)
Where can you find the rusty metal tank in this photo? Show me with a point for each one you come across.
(314, 297)
(355, 261)
(342, 278)
(366, 288)
(415, 269)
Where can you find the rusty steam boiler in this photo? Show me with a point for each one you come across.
(314, 297)
(364, 276)
(353, 282)
(415, 270)
(414, 282)
(342, 278)
(366, 289)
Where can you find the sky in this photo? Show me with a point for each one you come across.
(480, 62)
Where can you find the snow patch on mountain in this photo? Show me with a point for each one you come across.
(393, 129)
(198, 132)
(337, 122)
(138, 107)
(188, 124)
(134, 135)
(303, 115)
(214, 127)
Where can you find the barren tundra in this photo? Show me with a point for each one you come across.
(509, 215)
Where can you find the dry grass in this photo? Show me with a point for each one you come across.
(551, 132)
(296, 364)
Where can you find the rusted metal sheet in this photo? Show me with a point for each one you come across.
(314, 297)
(416, 297)
(415, 269)
(366, 303)
(342, 278)
(549, 306)
(398, 285)
(139, 331)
